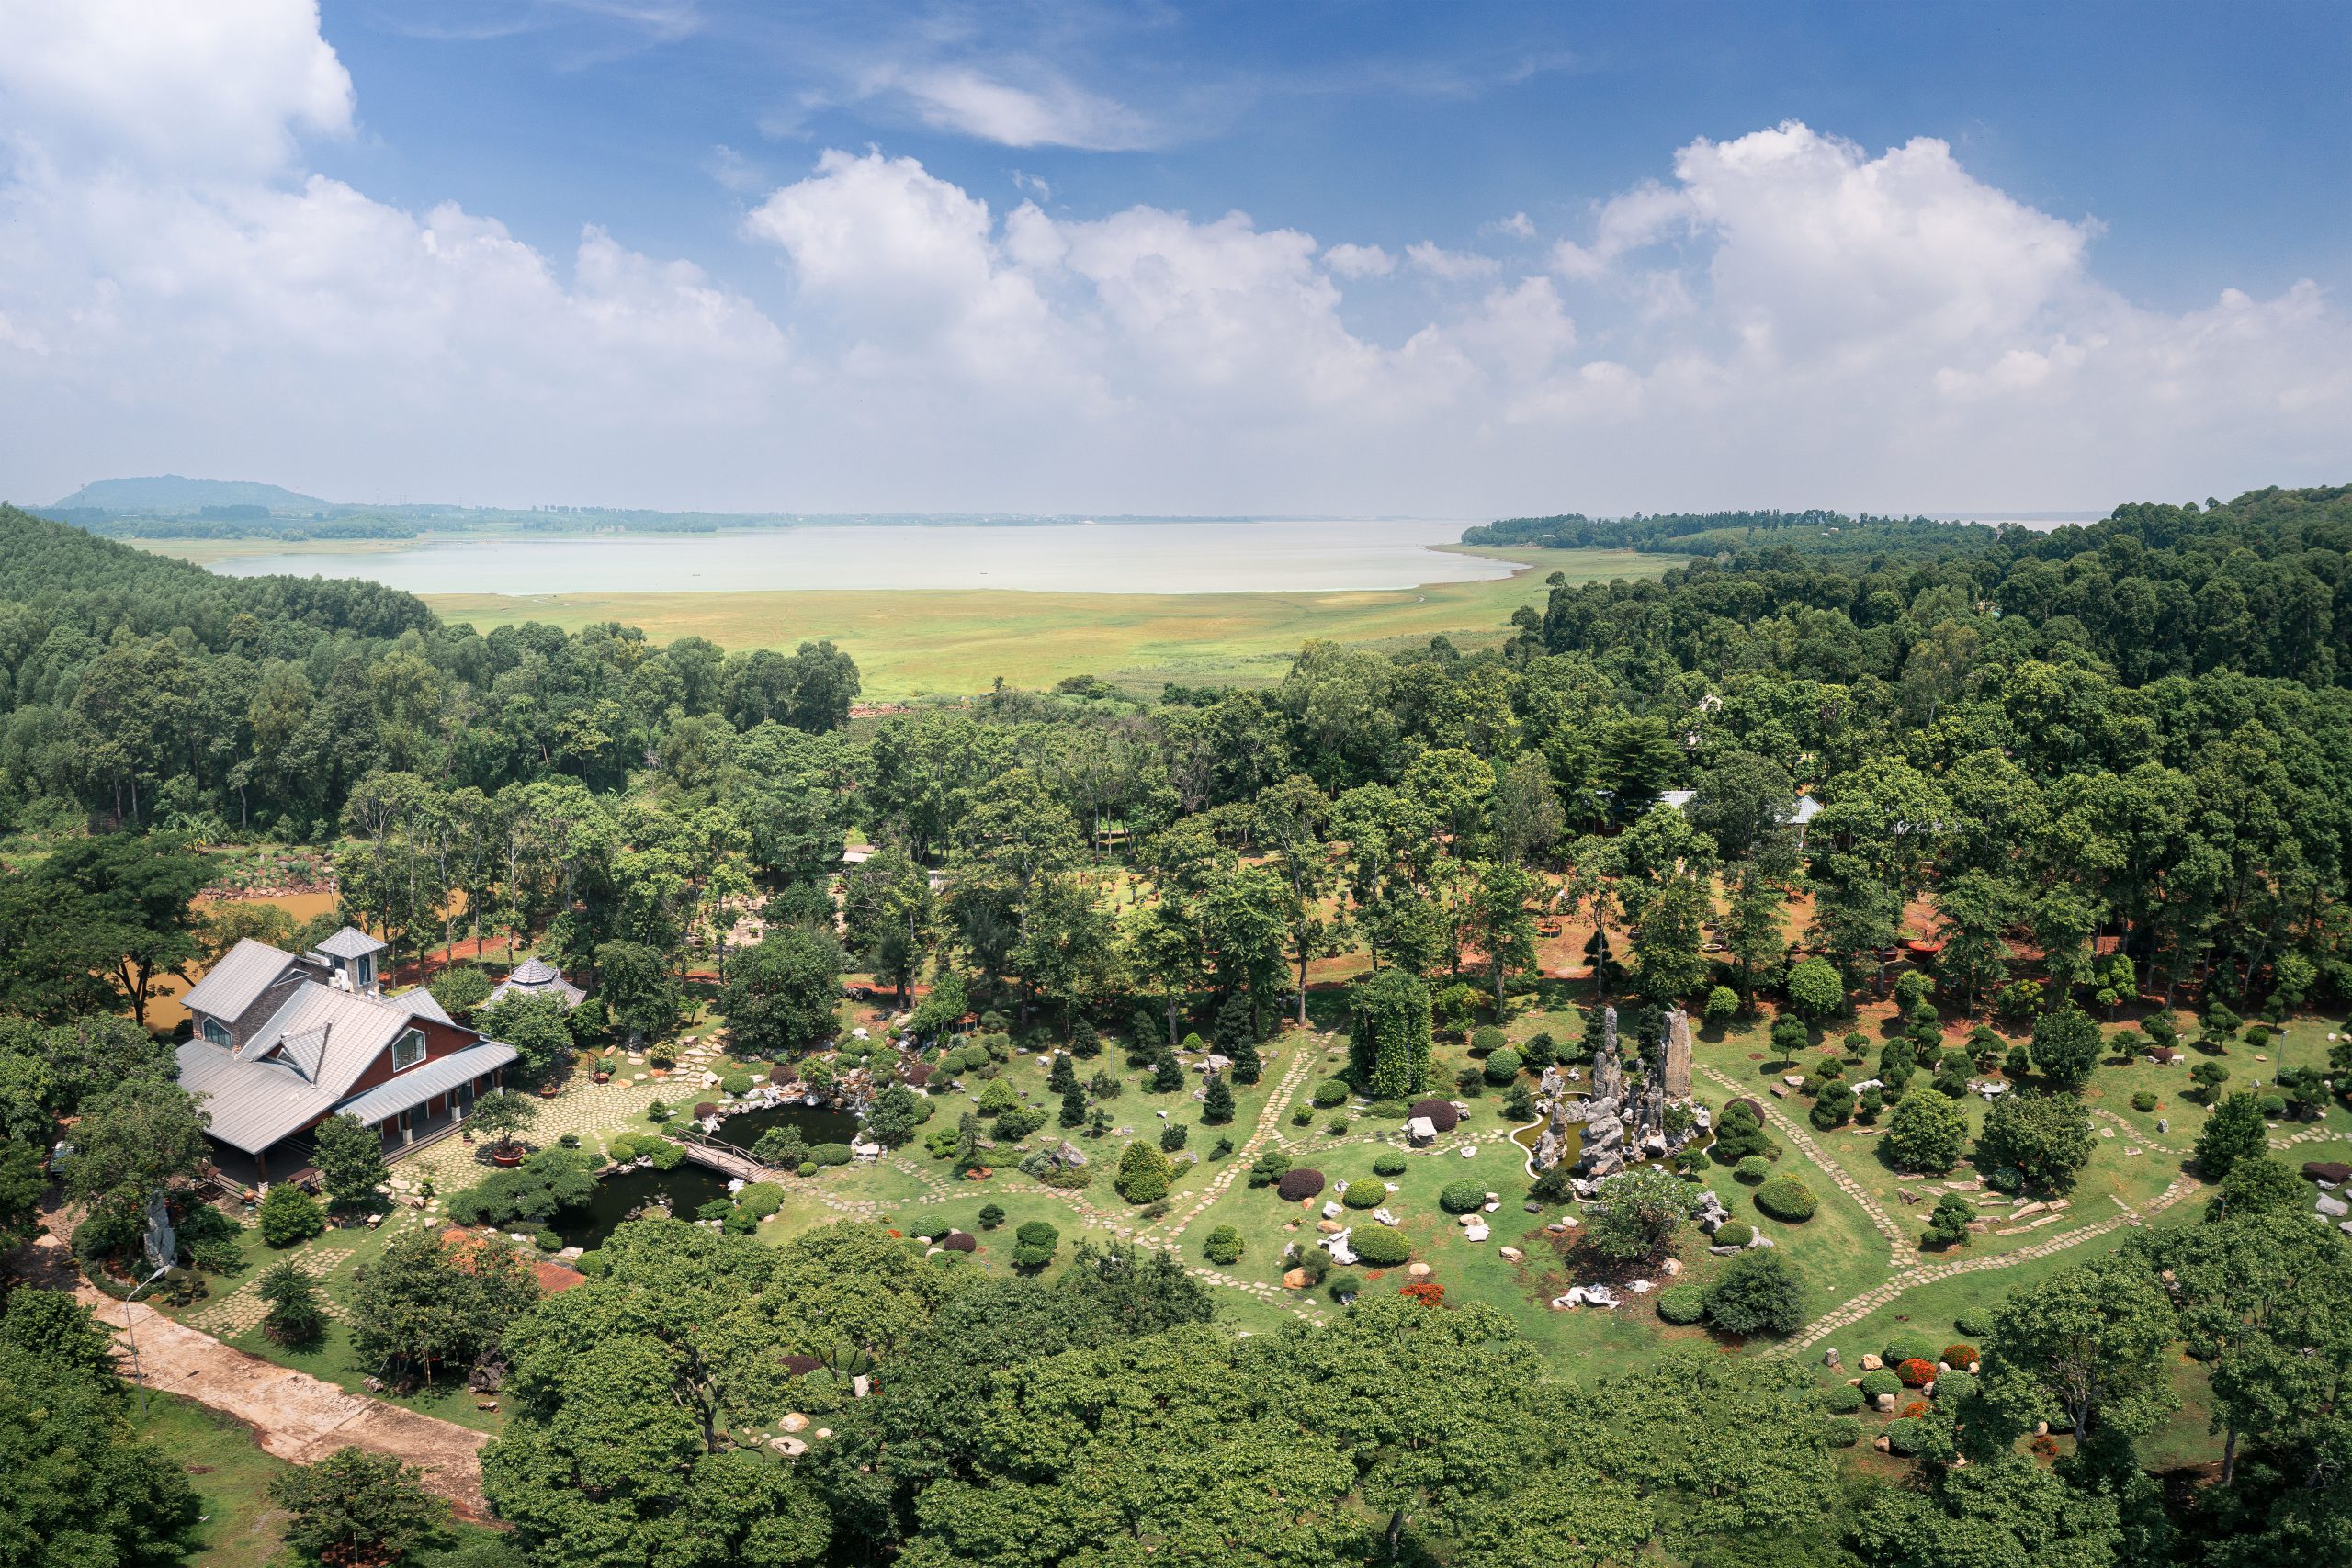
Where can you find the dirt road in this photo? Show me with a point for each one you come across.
(296, 1415)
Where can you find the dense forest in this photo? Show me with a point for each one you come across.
(2114, 761)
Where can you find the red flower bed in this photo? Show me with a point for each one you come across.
(1428, 1292)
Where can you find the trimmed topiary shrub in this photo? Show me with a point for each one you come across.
(1363, 1194)
(1734, 1233)
(1487, 1040)
(1786, 1199)
(1879, 1382)
(829, 1154)
(1908, 1347)
(1841, 1432)
(1752, 1168)
(1222, 1246)
(1034, 1244)
(1389, 1164)
(959, 1241)
(1143, 1174)
(1841, 1399)
(1961, 1356)
(1503, 1065)
(1682, 1303)
(1916, 1373)
(1461, 1197)
(737, 1083)
(1380, 1247)
(2144, 1102)
(1972, 1324)
(1298, 1184)
(289, 1214)
(1951, 1387)
(1330, 1092)
(1441, 1112)
(760, 1199)
(1906, 1437)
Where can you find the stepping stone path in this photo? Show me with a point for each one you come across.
(1853, 1312)
(242, 1310)
(1906, 1254)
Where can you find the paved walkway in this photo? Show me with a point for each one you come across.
(295, 1415)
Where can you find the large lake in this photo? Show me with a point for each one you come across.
(1122, 558)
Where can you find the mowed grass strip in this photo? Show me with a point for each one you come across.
(959, 641)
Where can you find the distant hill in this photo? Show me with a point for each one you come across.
(170, 492)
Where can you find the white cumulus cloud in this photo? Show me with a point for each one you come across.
(1785, 317)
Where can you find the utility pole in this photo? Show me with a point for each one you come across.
(130, 1326)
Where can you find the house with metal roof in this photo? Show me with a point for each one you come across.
(282, 1042)
(537, 978)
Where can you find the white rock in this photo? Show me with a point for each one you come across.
(1476, 1233)
(1468, 1153)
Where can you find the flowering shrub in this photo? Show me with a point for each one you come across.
(1916, 1373)
(1428, 1292)
(1915, 1410)
(1962, 1355)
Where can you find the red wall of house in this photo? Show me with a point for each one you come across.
(440, 1040)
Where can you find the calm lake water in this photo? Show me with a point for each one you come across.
(1124, 558)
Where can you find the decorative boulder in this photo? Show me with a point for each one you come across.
(1440, 1113)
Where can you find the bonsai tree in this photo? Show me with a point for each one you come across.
(503, 1116)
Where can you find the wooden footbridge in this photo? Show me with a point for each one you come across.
(721, 1155)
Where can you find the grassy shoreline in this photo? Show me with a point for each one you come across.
(911, 643)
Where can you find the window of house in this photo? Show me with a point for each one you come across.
(408, 1050)
(216, 1031)
(363, 973)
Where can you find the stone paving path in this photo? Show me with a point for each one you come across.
(242, 1310)
(1906, 1252)
(1853, 1312)
(2132, 1135)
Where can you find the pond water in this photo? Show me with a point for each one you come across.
(620, 1196)
(690, 1185)
(1527, 1137)
(818, 1125)
(1270, 555)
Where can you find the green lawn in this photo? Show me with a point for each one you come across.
(907, 644)
(231, 1473)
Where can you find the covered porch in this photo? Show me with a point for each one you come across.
(427, 1103)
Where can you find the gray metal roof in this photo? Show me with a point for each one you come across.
(425, 1004)
(418, 1085)
(235, 984)
(535, 972)
(351, 943)
(296, 1066)
(554, 985)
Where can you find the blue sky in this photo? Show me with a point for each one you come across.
(1444, 260)
(2208, 139)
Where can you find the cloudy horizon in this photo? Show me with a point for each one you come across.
(945, 274)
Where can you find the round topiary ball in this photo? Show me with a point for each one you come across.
(1363, 1194)
(1908, 1347)
(1906, 1437)
(1441, 1112)
(1734, 1233)
(959, 1241)
(1786, 1199)
(1916, 1373)
(1298, 1184)
(1972, 1324)
(1389, 1164)
(1332, 1092)
(1486, 1040)
(1752, 1168)
(1882, 1381)
(1682, 1303)
(1380, 1247)
(1461, 1197)
(1502, 1066)
(1841, 1399)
